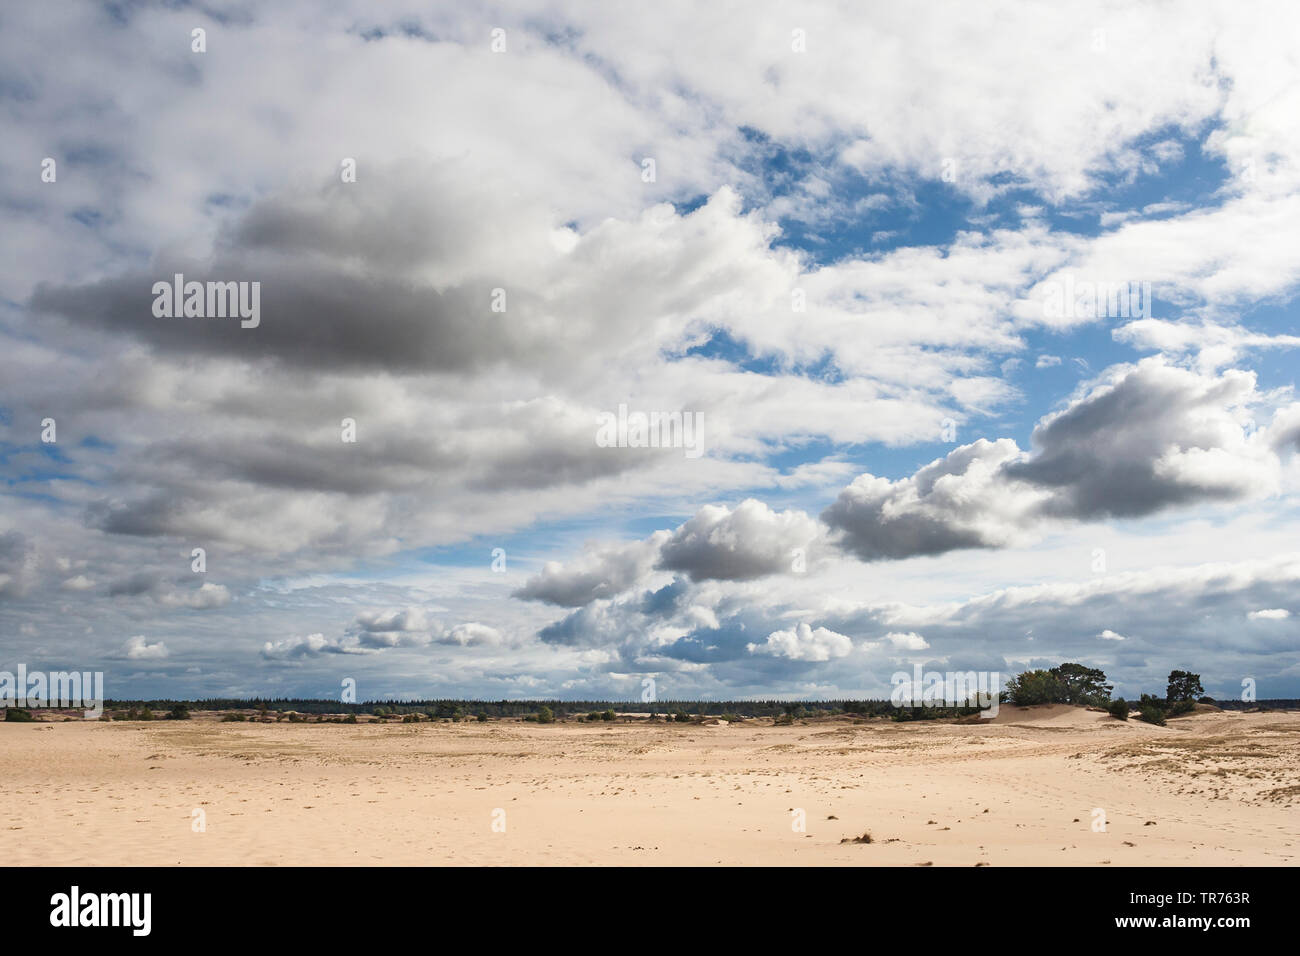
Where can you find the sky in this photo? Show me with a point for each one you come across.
(982, 319)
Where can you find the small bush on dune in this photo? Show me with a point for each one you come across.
(17, 715)
(233, 718)
(1151, 714)
(1118, 709)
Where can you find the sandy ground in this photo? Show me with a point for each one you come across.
(1217, 788)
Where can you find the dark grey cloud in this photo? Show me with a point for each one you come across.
(310, 318)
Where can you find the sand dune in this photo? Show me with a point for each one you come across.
(1025, 788)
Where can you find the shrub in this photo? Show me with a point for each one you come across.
(1119, 709)
(545, 715)
(146, 714)
(1151, 714)
(233, 718)
(1035, 687)
(682, 717)
(350, 719)
(482, 718)
(18, 716)
(178, 712)
(1181, 707)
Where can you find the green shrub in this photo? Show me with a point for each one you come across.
(233, 718)
(545, 715)
(1035, 687)
(350, 719)
(178, 712)
(1151, 714)
(146, 714)
(1119, 709)
(482, 718)
(17, 715)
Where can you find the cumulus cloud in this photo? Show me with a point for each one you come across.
(804, 643)
(1146, 438)
(748, 542)
(1109, 635)
(717, 543)
(601, 572)
(1270, 614)
(907, 641)
(472, 634)
(312, 645)
(139, 649)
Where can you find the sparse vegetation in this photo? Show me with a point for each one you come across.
(1118, 709)
(16, 715)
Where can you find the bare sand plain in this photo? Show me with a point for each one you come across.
(1215, 788)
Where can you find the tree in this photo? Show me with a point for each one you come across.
(1183, 685)
(1082, 685)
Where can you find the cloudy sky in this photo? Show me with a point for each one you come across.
(869, 248)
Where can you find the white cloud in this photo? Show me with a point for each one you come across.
(804, 643)
(139, 649)
(1270, 614)
(907, 641)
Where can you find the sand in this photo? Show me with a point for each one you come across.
(1215, 788)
